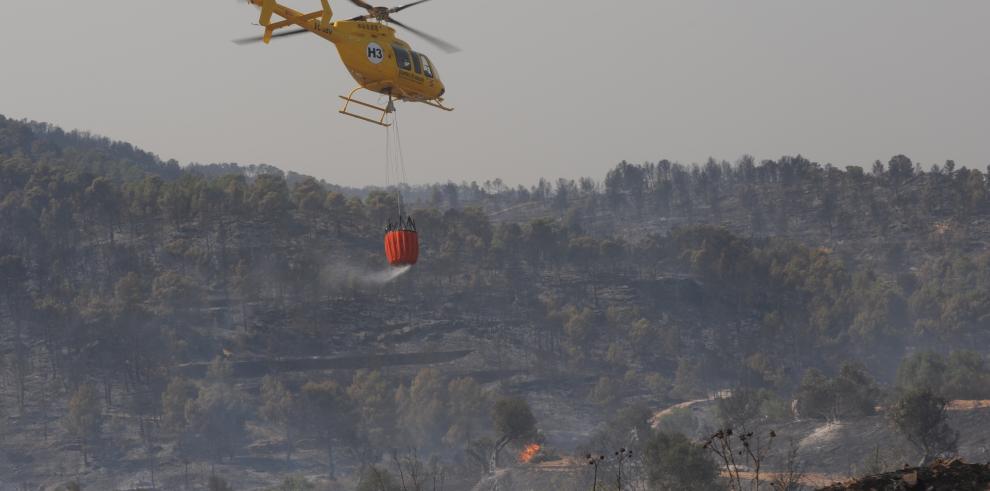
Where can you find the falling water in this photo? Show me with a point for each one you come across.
(347, 273)
(383, 277)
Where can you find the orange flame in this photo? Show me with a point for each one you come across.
(529, 452)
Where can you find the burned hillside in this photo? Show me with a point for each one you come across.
(159, 324)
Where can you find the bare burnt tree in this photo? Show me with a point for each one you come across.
(735, 450)
(790, 477)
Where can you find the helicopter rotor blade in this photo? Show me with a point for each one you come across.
(363, 4)
(440, 43)
(258, 39)
(360, 17)
(400, 8)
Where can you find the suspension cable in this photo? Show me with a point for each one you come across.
(394, 162)
(400, 164)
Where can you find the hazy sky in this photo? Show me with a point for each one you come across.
(542, 88)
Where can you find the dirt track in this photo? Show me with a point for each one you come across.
(259, 368)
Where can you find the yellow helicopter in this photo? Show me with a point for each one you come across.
(378, 61)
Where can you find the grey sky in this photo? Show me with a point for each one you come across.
(541, 88)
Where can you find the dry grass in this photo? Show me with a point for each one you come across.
(963, 405)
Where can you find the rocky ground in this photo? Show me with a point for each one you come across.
(842, 449)
(951, 475)
(828, 453)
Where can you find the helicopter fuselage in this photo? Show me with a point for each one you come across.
(377, 60)
(382, 63)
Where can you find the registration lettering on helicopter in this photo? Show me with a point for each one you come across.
(368, 26)
(318, 27)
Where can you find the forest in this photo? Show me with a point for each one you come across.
(136, 292)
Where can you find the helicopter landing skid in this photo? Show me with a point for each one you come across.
(438, 103)
(378, 109)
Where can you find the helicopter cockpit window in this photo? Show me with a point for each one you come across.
(427, 67)
(402, 58)
(418, 64)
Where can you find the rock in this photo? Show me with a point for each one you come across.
(910, 479)
(942, 475)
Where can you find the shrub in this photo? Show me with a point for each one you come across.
(672, 462)
(920, 415)
(852, 393)
(678, 420)
(605, 392)
(964, 375)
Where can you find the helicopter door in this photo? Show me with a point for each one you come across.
(416, 62)
(402, 58)
(427, 66)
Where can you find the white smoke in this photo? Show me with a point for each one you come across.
(389, 274)
(355, 275)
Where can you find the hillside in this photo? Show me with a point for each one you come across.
(830, 453)
(185, 321)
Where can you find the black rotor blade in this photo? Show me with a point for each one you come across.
(440, 43)
(362, 4)
(400, 8)
(361, 17)
(257, 39)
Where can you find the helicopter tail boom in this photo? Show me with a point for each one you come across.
(292, 17)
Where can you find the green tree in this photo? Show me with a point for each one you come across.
(216, 421)
(177, 395)
(308, 195)
(743, 408)
(920, 415)
(279, 407)
(336, 205)
(375, 478)
(422, 408)
(514, 422)
(923, 370)
(269, 196)
(578, 332)
(815, 396)
(294, 483)
(309, 198)
(658, 385)
(899, 169)
(966, 376)
(855, 391)
(104, 199)
(539, 238)
(84, 419)
(375, 404)
(216, 483)
(678, 420)
(173, 292)
(466, 409)
(852, 393)
(605, 392)
(382, 206)
(129, 290)
(629, 427)
(687, 379)
(329, 414)
(672, 462)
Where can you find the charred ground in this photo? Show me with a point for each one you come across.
(660, 284)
